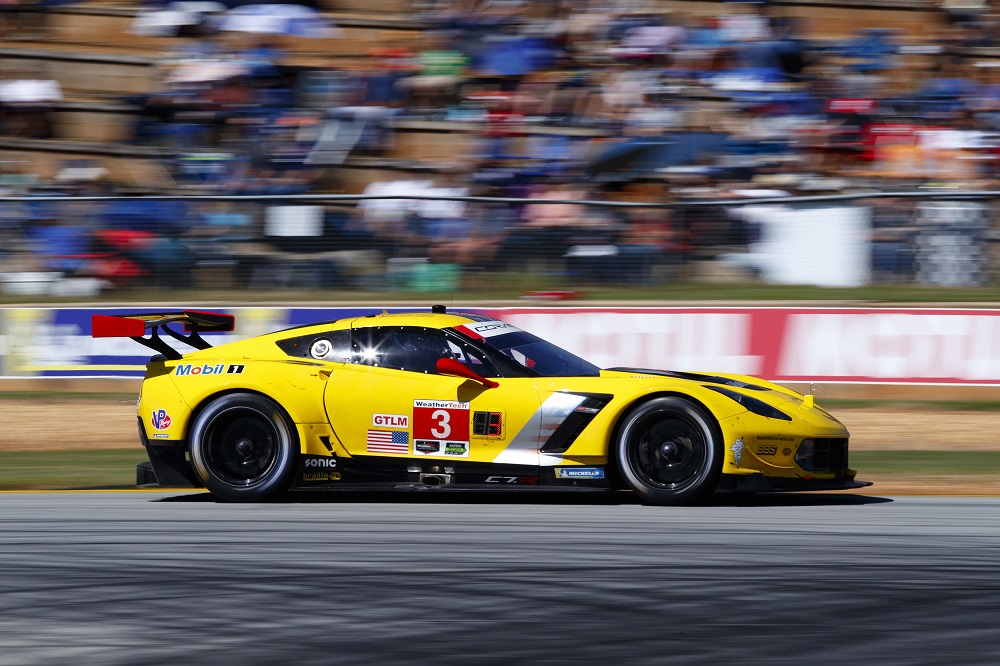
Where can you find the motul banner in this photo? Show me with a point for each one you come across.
(868, 345)
(851, 345)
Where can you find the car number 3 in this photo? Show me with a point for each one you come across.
(443, 428)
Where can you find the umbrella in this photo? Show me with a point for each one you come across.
(204, 71)
(232, 4)
(169, 21)
(634, 157)
(30, 91)
(295, 20)
(516, 56)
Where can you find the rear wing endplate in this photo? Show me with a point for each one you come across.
(135, 326)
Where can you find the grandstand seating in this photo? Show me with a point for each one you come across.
(100, 64)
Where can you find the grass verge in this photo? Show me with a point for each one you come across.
(115, 468)
(107, 468)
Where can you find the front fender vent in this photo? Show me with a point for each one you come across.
(577, 421)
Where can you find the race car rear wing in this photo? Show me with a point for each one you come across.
(135, 326)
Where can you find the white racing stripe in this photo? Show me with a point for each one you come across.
(524, 448)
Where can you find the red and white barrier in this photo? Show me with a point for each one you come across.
(866, 345)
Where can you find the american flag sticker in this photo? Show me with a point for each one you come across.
(388, 441)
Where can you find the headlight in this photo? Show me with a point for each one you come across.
(804, 456)
(758, 407)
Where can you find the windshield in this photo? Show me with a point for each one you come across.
(531, 352)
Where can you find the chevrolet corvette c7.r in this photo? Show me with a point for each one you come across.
(440, 399)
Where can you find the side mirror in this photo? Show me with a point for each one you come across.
(452, 368)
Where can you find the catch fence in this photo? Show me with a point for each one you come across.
(441, 240)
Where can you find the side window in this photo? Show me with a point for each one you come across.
(463, 352)
(333, 346)
(402, 347)
(417, 349)
(409, 348)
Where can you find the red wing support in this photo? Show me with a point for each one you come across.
(135, 326)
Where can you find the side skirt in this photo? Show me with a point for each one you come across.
(325, 471)
(170, 466)
(758, 483)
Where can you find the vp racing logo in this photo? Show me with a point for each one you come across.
(161, 420)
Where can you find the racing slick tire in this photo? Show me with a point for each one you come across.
(669, 451)
(244, 448)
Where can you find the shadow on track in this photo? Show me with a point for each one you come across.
(539, 497)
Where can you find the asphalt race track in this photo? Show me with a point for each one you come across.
(470, 578)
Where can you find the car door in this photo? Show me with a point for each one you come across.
(390, 401)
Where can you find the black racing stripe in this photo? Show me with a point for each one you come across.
(574, 425)
(693, 376)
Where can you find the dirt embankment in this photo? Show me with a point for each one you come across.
(51, 424)
(914, 429)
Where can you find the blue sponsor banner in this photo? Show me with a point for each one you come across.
(57, 342)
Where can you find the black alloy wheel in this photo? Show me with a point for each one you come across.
(669, 452)
(243, 447)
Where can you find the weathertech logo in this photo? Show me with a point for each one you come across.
(440, 404)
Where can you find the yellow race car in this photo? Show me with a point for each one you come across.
(439, 399)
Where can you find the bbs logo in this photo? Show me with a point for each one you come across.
(326, 463)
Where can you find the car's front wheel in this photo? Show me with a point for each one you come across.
(669, 452)
(244, 447)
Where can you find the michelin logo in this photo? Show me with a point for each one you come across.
(579, 473)
(737, 449)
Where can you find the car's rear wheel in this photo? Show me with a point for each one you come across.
(669, 452)
(243, 447)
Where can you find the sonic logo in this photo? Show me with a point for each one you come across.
(160, 420)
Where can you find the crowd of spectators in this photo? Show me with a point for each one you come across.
(565, 100)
